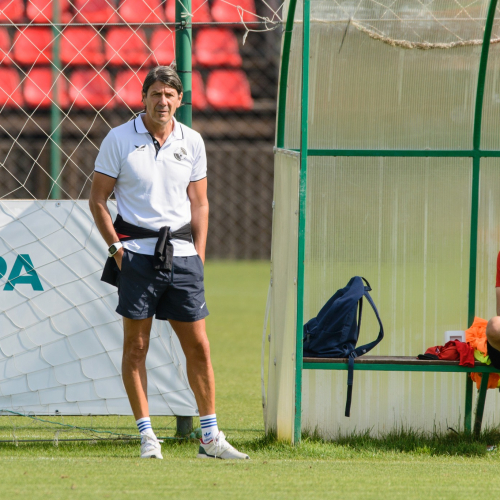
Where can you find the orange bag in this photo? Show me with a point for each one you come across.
(492, 381)
(475, 336)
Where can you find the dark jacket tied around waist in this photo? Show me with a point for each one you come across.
(164, 250)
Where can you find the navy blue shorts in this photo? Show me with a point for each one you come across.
(178, 294)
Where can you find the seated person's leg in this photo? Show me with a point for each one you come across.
(493, 336)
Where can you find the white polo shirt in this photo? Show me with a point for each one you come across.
(151, 188)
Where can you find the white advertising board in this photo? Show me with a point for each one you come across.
(60, 337)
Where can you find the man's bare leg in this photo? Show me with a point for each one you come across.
(493, 332)
(194, 343)
(135, 349)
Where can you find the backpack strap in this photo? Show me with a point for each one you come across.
(350, 380)
(362, 349)
(368, 347)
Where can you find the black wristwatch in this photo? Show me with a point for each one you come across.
(114, 248)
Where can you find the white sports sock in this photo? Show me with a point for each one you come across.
(209, 429)
(144, 425)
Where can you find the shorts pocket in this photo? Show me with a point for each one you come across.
(202, 266)
(124, 259)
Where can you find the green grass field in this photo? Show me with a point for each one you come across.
(401, 466)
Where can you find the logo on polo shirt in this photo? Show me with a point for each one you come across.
(140, 148)
(180, 154)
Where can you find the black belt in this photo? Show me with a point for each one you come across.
(164, 250)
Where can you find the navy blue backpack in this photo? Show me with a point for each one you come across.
(334, 332)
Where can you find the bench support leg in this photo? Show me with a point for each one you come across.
(468, 403)
(481, 399)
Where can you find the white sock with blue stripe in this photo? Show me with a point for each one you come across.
(144, 425)
(209, 429)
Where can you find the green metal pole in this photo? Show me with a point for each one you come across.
(283, 84)
(183, 42)
(302, 222)
(183, 49)
(468, 403)
(55, 112)
(478, 115)
(481, 400)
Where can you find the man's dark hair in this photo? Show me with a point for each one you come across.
(164, 74)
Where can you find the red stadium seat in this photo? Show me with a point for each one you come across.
(126, 47)
(229, 89)
(142, 11)
(217, 47)
(128, 87)
(90, 89)
(38, 89)
(33, 45)
(11, 10)
(10, 88)
(226, 11)
(40, 11)
(198, 98)
(95, 11)
(163, 46)
(200, 9)
(81, 45)
(4, 48)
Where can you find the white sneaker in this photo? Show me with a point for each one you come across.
(220, 448)
(150, 447)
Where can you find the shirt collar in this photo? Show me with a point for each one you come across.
(140, 128)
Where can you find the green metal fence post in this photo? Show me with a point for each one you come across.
(478, 114)
(302, 223)
(183, 42)
(55, 112)
(183, 59)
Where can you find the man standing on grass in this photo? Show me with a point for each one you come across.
(157, 169)
(493, 327)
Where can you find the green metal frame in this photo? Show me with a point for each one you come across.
(283, 83)
(402, 153)
(55, 110)
(302, 222)
(183, 58)
(475, 154)
(383, 367)
(481, 399)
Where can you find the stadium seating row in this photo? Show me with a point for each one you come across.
(87, 88)
(130, 11)
(122, 46)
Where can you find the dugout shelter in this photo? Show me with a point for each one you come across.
(387, 165)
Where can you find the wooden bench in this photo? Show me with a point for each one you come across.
(413, 364)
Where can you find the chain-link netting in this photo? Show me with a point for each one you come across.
(71, 70)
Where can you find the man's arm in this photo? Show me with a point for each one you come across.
(197, 193)
(497, 290)
(102, 187)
